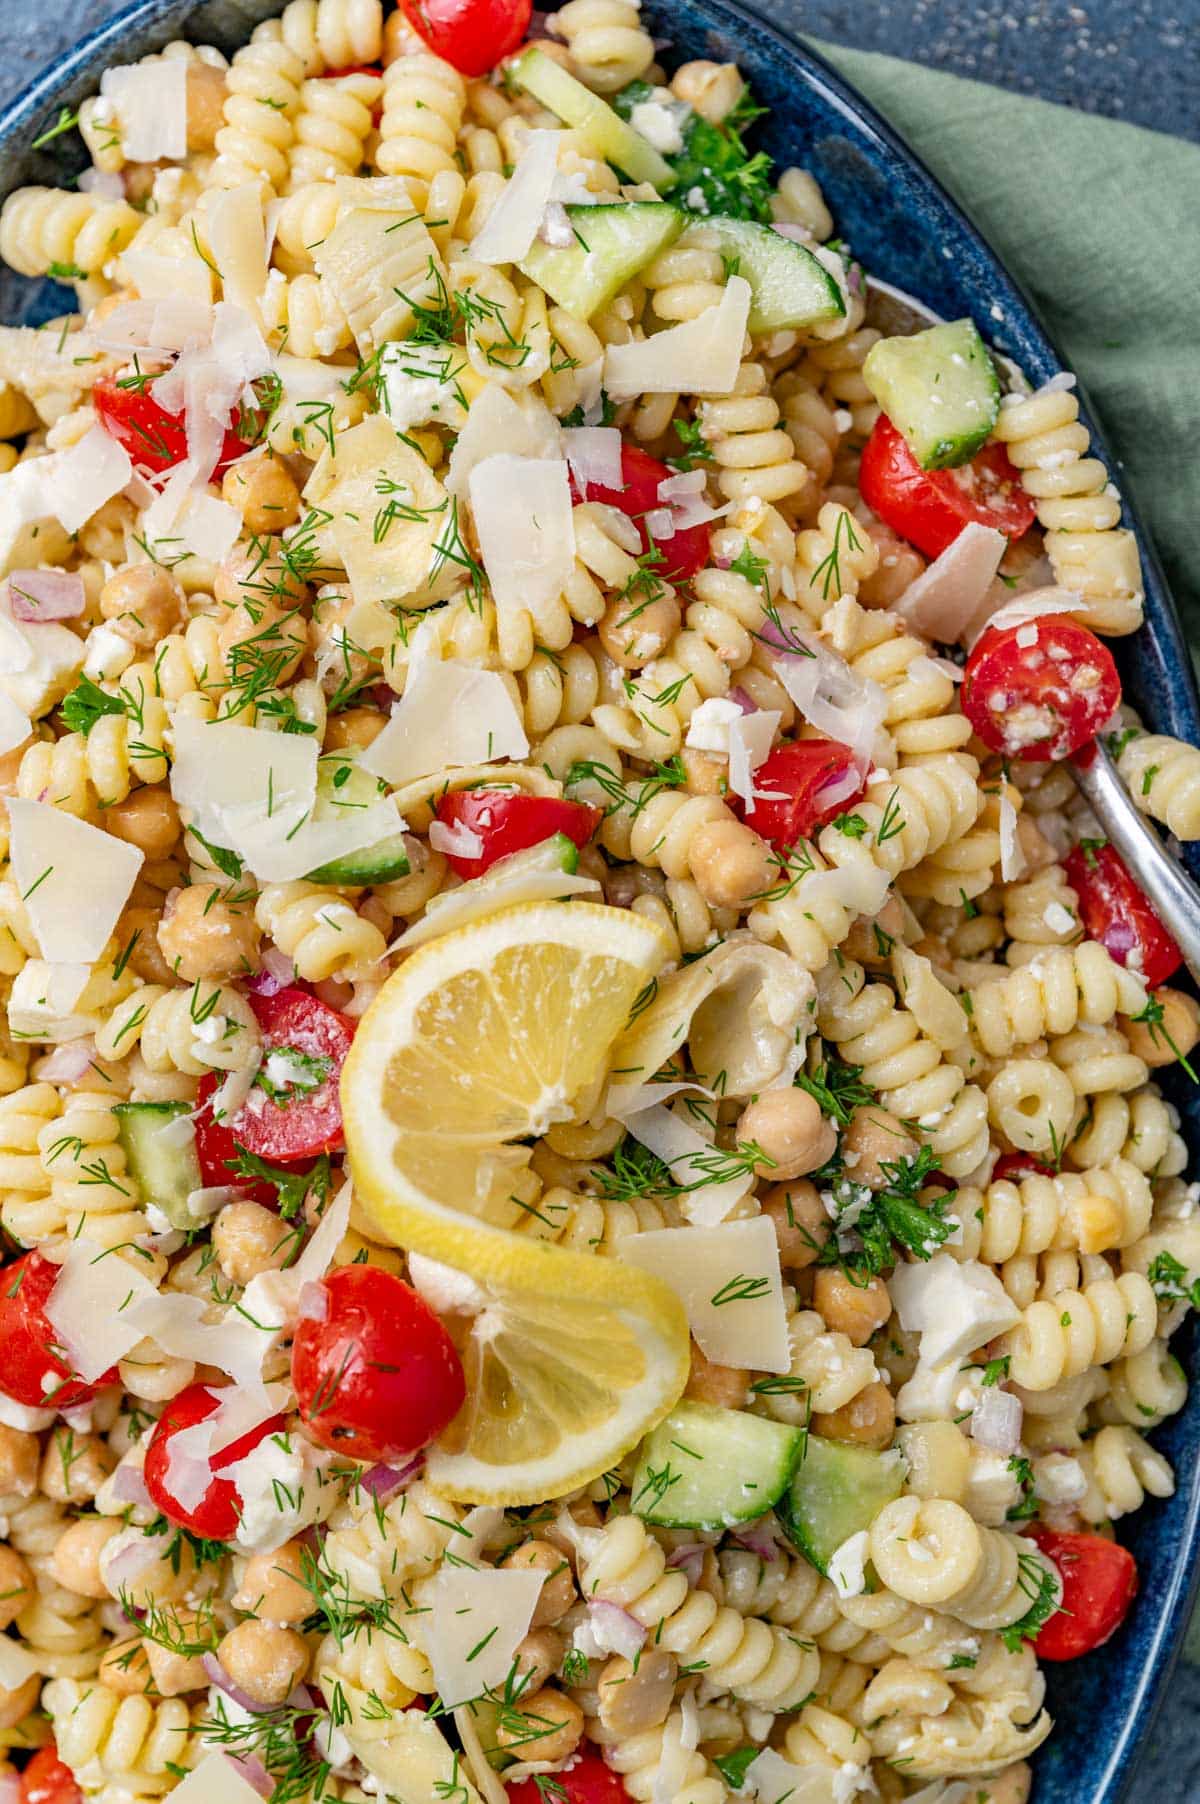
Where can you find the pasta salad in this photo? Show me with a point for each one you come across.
(588, 1215)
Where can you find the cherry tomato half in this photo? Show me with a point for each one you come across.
(1100, 1581)
(682, 554)
(155, 439)
(218, 1512)
(793, 779)
(27, 1339)
(48, 1780)
(377, 1376)
(294, 1111)
(507, 822)
(1018, 1165)
(474, 35)
(217, 1150)
(1040, 690)
(1115, 912)
(929, 508)
(586, 1781)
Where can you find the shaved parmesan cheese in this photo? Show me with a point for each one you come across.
(27, 532)
(57, 861)
(946, 596)
(1012, 856)
(215, 1781)
(273, 1297)
(624, 1100)
(150, 103)
(42, 1002)
(690, 1158)
(473, 1622)
(38, 662)
(497, 422)
(182, 518)
(522, 510)
(210, 378)
(158, 326)
(237, 238)
(17, 1664)
(386, 512)
(684, 495)
(457, 840)
(594, 455)
(751, 737)
(15, 724)
(178, 1325)
(699, 1265)
(159, 276)
(700, 357)
(88, 475)
(1034, 604)
(93, 1308)
(771, 1778)
(233, 778)
(450, 714)
(511, 226)
(484, 895)
(936, 1010)
(833, 698)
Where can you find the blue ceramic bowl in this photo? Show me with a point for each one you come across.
(908, 231)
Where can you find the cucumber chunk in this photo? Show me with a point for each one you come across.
(789, 287)
(340, 785)
(705, 1467)
(612, 244)
(165, 1169)
(939, 388)
(836, 1490)
(600, 131)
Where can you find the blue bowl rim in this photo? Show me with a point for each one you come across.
(137, 21)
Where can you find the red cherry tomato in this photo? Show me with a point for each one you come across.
(27, 1338)
(218, 1512)
(474, 35)
(155, 439)
(377, 1376)
(1043, 699)
(301, 1116)
(586, 1781)
(511, 823)
(1016, 1165)
(682, 554)
(793, 779)
(929, 508)
(217, 1151)
(1115, 912)
(1100, 1581)
(48, 1780)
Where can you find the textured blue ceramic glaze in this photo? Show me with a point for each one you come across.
(907, 231)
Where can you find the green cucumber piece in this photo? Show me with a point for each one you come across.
(939, 388)
(789, 286)
(600, 131)
(836, 1490)
(705, 1467)
(166, 1172)
(340, 785)
(612, 244)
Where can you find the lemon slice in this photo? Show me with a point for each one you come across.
(482, 1039)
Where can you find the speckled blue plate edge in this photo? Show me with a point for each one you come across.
(909, 231)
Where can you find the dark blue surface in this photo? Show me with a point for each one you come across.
(908, 232)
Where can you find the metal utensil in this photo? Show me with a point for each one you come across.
(1172, 894)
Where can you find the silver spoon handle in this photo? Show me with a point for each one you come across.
(1168, 888)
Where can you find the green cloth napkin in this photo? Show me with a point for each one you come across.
(1098, 221)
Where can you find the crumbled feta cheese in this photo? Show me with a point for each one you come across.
(1058, 1479)
(659, 123)
(708, 729)
(847, 1566)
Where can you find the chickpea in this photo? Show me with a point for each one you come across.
(1161, 1042)
(272, 1584)
(125, 1669)
(255, 576)
(353, 728)
(143, 603)
(583, 1513)
(789, 1127)
(175, 1672)
(869, 1419)
(248, 1239)
(632, 1697)
(713, 89)
(75, 1561)
(730, 864)
(855, 1310)
(712, 1383)
(558, 1593)
(16, 1705)
(147, 819)
(706, 775)
(205, 104)
(538, 1658)
(633, 631)
(74, 1466)
(145, 959)
(871, 947)
(202, 935)
(399, 38)
(264, 492)
(872, 1139)
(19, 1454)
(801, 1224)
(1039, 853)
(266, 1661)
(548, 1726)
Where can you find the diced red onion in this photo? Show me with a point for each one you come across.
(1119, 939)
(129, 1485)
(314, 1303)
(10, 1789)
(762, 1536)
(67, 1063)
(221, 1679)
(996, 1420)
(745, 702)
(130, 1561)
(797, 233)
(689, 1560)
(278, 971)
(616, 1629)
(839, 787)
(724, 562)
(385, 1481)
(35, 595)
(253, 1772)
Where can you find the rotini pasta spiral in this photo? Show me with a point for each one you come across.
(1052, 995)
(423, 99)
(609, 46)
(45, 227)
(1163, 777)
(318, 929)
(1061, 1336)
(931, 1552)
